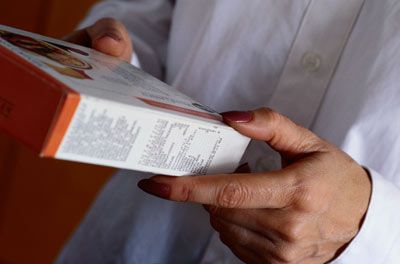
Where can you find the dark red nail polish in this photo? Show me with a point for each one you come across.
(238, 116)
(155, 188)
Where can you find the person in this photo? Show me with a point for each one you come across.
(324, 181)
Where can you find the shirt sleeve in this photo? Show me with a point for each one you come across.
(148, 23)
(378, 240)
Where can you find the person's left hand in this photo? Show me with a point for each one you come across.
(106, 35)
(306, 212)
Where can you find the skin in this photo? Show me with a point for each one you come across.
(107, 35)
(307, 212)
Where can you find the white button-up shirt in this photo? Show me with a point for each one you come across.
(332, 66)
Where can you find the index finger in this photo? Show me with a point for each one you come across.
(247, 190)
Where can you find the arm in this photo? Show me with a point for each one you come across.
(379, 237)
(307, 212)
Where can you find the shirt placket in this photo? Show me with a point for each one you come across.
(313, 58)
(311, 63)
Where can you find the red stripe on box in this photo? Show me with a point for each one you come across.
(179, 109)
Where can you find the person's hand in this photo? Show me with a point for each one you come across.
(306, 212)
(107, 35)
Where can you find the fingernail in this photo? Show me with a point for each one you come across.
(150, 186)
(112, 35)
(238, 116)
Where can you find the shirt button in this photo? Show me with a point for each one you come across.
(311, 61)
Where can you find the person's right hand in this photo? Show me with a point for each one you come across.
(107, 35)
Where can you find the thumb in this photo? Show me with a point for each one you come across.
(283, 135)
(107, 35)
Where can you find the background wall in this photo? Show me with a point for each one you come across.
(41, 200)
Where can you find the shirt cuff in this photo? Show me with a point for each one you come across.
(377, 241)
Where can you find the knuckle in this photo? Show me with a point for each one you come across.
(185, 193)
(232, 195)
(310, 142)
(319, 144)
(287, 254)
(307, 198)
(274, 120)
(293, 231)
(315, 251)
(272, 116)
(244, 239)
(306, 142)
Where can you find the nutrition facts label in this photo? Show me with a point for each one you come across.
(181, 147)
(118, 135)
(113, 114)
(97, 134)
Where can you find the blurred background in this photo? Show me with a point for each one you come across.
(42, 200)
